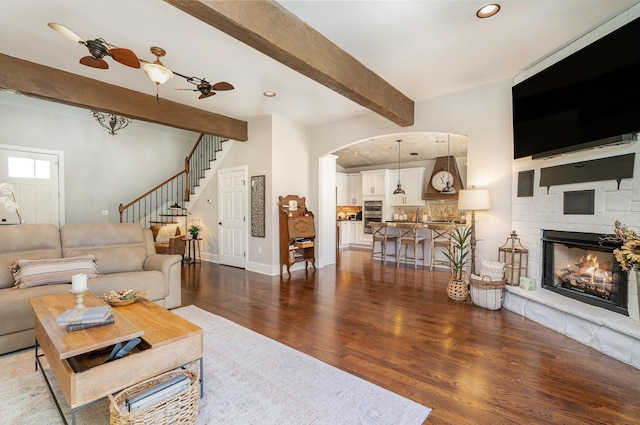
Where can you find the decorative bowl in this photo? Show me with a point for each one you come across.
(121, 298)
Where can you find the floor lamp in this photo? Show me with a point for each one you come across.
(473, 200)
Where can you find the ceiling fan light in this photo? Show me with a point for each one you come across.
(157, 72)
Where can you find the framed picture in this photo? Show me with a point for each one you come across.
(257, 206)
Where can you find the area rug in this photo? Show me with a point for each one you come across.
(248, 379)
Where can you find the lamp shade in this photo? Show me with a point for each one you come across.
(157, 72)
(473, 200)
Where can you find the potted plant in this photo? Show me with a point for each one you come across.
(458, 256)
(194, 229)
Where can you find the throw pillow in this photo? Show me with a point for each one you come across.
(493, 269)
(30, 273)
(166, 232)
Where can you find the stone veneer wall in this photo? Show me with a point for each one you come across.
(611, 333)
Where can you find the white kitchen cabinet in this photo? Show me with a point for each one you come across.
(358, 232)
(354, 189)
(351, 233)
(342, 190)
(374, 182)
(412, 180)
(344, 234)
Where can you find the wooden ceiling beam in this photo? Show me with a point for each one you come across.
(47, 83)
(271, 29)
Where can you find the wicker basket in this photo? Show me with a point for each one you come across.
(457, 290)
(487, 293)
(181, 408)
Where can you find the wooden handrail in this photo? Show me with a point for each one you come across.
(196, 154)
(124, 207)
(195, 146)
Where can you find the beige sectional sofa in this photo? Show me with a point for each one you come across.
(125, 258)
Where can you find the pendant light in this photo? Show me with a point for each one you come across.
(448, 189)
(399, 190)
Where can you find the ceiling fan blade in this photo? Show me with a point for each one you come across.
(125, 57)
(66, 32)
(188, 89)
(204, 96)
(222, 86)
(94, 63)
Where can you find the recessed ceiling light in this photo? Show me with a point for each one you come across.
(269, 94)
(488, 10)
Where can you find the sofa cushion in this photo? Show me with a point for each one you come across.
(26, 241)
(29, 273)
(166, 232)
(118, 247)
(16, 313)
(151, 281)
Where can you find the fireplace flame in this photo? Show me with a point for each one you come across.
(587, 275)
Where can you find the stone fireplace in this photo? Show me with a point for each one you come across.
(579, 265)
(608, 323)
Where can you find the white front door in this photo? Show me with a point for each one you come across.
(34, 175)
(232, 226)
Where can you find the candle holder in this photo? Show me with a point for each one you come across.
(79, 297)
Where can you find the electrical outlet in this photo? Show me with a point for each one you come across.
(259, 250)
(105, 212)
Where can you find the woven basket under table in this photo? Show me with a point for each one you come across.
(181, 408)
(487, 293)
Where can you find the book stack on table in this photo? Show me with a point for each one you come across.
(84, 318)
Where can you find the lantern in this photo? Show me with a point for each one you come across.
(516, 258)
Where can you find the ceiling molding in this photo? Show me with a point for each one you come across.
(47, 83)
(271, 29)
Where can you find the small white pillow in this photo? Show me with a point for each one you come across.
(166, 232)
(493, 269)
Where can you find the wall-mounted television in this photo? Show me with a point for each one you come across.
(587, 99)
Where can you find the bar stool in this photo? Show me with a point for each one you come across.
(440, 237)
(381, 235)
(408, 236)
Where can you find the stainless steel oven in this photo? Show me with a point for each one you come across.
(373, 211)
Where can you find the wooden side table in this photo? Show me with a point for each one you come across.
(193, 246)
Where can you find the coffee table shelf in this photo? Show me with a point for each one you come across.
(168, 342)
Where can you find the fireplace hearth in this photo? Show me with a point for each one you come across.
(578, 265)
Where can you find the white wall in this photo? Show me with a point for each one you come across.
(482, 113)
(278, 149)
(101, 171)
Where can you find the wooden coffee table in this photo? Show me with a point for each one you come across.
(75, 358)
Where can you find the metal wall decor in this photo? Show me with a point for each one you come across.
(257, 206)
(111, 122)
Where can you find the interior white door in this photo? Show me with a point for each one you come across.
(34, 176)
(232, 225)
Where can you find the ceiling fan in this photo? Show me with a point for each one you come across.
(205, 88)
(98, 48)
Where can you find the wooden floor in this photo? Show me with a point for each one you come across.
(397, 328)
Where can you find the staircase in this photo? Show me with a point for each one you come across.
(165, 203)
